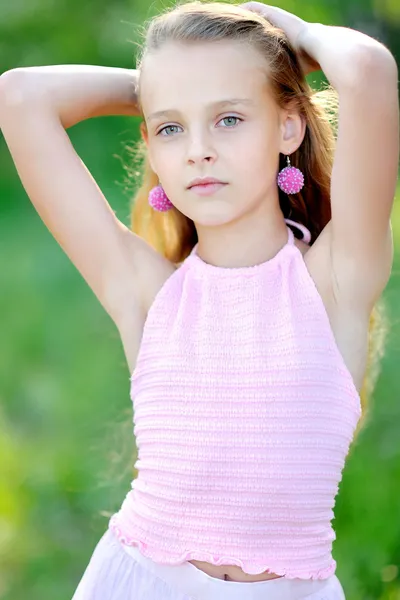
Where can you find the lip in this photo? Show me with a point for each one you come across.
(207, 189)
(204, 181)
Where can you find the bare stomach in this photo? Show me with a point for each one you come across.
(231, 572)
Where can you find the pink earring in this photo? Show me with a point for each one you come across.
(290, 179)
(159, 200)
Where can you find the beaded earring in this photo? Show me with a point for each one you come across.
(290, 179)
(159, 200)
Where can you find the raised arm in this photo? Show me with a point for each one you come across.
(364, 174)
(37, 104)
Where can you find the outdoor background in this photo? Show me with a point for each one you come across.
(66, 443)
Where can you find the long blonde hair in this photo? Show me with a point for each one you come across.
(172, 233)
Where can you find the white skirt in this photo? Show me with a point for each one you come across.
(120, 572)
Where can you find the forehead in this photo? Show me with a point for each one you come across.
(180, 75)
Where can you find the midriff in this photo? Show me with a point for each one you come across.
(231, 572)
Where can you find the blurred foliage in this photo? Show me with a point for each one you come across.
(66, 443)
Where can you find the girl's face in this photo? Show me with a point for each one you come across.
(219, 120)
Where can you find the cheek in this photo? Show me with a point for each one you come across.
(259, 145)
(163, 161)
(258, 162)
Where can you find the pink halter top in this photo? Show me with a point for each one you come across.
(244, 413)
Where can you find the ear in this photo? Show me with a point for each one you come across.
(292, 128)
(145, 137)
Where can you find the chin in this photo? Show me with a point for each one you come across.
(208, 212)
(209, 218)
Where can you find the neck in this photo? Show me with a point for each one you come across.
(250, 240)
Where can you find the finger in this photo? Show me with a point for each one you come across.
(255, 7)
(264, 10)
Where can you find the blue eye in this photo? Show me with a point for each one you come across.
(176, 126)
(165, 128)
(231, 117)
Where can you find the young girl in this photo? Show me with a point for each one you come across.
(247, 346)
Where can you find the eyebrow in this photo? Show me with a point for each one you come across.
(220, 103)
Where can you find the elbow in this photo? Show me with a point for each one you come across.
(374, 66)
(12, 88)
(16, 89)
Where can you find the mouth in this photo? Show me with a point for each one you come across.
(205, 189)
(204, 181)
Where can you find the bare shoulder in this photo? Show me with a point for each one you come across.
(351, 281)
(150, 270)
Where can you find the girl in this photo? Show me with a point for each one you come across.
(247, 346)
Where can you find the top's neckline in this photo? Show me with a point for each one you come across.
(252, 268)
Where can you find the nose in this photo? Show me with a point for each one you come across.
(200, 148)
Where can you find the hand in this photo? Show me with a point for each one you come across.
(294, 28)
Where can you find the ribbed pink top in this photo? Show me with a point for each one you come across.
(244, 412)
